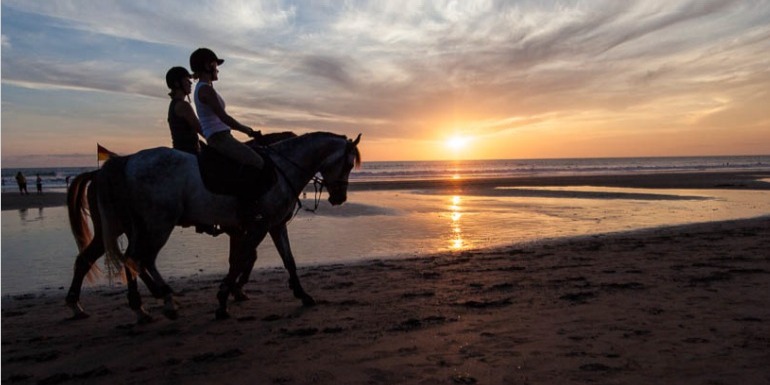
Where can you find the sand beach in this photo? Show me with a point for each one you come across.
(684, 304)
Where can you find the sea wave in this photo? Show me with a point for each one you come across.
(56, 178)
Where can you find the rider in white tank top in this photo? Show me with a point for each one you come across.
(210, 122)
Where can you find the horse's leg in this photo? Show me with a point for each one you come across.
(239, 248)
(240, 263)
(151, 285)
(150, 242)
(143, 248)
(162, 290)
(135, 299)
(280, 237)
(83, 264)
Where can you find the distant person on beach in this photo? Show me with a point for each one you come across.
(67, 181)
(182, 122)
(39, 184)
(22, 182)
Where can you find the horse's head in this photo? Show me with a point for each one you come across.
(336, 170)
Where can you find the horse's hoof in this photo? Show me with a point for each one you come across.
(77, 311)
(171, 314)
(239, 295)
(142, 317)
(308, 301)
(79, 316)
(170, 308)
(222, 314)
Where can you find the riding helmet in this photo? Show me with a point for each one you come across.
(201, 57)
(175, 75)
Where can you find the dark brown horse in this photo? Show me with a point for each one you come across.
(145, 195)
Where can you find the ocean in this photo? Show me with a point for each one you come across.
(55, 178)
(38, 250)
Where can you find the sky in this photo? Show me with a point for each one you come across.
(421, 80)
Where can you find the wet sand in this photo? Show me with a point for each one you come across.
(680, 305)
(16, 201)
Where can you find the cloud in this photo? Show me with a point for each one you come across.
(87, 76)
(403, 69)
(330, 68)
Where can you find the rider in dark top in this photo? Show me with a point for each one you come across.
(184, 124)
(182, 121)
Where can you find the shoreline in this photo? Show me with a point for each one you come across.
(16, 201)
(631, 307)
(753, 180)
(749, 180)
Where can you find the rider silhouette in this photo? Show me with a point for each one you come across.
(183, 123)
(216, 124)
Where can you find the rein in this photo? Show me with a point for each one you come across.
(318, 183)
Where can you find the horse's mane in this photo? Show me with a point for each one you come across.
(275, 137)
(357, 153)
(355, 150)
(268, 139)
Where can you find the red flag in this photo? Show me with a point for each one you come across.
(103, 153)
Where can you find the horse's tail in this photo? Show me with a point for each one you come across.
(81, 203)
(78, 208)
(114, 214)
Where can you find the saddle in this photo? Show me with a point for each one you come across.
(222, 175)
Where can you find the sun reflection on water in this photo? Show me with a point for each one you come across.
(456, 241)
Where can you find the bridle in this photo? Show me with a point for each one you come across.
(318, 182)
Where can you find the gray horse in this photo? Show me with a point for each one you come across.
(145, 195)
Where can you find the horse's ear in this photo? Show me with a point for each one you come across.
(358, 139)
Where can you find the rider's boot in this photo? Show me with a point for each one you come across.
(248, 215)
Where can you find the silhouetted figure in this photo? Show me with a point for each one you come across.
(216, 124)
(22, 182)
(39, 184)
(182, 121)
(184, 124)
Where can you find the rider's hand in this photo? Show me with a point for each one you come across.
(246, 130)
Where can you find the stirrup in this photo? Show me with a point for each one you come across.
(212, 230)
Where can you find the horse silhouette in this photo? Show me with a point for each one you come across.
(147, 194)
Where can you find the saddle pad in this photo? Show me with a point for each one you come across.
(222, 175)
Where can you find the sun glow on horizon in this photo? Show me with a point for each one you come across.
(457, 142)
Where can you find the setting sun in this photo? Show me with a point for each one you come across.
(457, 142)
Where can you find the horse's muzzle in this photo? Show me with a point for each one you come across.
(337, 199)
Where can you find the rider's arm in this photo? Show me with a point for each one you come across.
(185, 111)
(208, 96)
